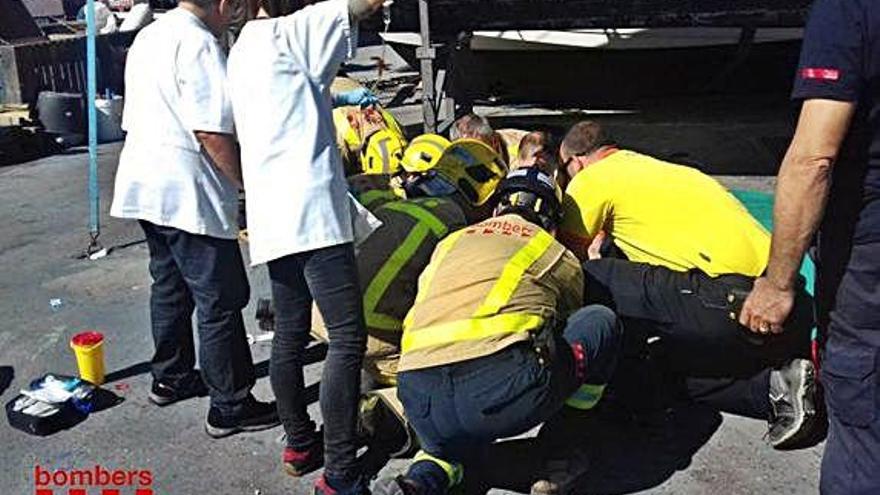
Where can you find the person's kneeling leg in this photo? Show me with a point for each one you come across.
(595, 336)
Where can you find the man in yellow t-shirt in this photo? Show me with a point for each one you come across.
(685, 252)
(657, 212)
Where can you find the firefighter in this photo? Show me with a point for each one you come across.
(369, 139)
(497, 341)
(420, 156)
(391, 258)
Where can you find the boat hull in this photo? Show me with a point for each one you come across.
(618, 71)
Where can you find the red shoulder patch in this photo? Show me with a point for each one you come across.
(820, 73)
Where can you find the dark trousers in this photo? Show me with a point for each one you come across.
(724, 364)
(851, 463)
(328, 277)
(206, 274)
(459, 409)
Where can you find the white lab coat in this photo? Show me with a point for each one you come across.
(175, 84)
(279, 76)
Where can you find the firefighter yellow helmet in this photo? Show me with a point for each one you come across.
(423, 152)
(382, 152)
(370, 139)
(473, 168)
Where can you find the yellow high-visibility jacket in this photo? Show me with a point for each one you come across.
(487, 287)
(389, 263)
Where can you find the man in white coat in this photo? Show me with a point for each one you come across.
(280, 72)
(179, 176)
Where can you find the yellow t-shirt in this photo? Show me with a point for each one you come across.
(663, 214)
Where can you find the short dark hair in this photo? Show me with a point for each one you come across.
(586, 137)
(278, 8)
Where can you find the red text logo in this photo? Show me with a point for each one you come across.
(92, 481)
(500, 227)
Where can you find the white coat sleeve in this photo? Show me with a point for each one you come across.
(201, 80)
(321, 37)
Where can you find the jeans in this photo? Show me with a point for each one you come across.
(851, 362)
(723, 364)
(207, 274)
(459, 409)
(329, 277)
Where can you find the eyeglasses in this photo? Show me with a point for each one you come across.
(568, 160)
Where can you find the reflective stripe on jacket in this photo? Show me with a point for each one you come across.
(486, 287)
(389, 264)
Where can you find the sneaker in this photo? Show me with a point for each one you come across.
(301, 462)
(254, 416)
(163, 393)
(322, 487)
(797, 418)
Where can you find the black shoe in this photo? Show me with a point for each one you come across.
(797, 418)
(163, 393)
(254, 416)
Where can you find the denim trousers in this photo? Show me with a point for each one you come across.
(206, 274)
(327, 276)
(459, 409)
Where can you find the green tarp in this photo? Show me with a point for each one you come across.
(760, 205)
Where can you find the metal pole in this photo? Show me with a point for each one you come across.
(94, 224)
(426, 54)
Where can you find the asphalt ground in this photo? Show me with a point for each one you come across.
(44, 218)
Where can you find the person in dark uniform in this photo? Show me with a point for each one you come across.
(830, 181)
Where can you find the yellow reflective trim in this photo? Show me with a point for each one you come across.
(428, 275)
(454, 472)
(382, 322)
(470, 329)
(513, 273)
(367, 198)
(421, 215)
(585, 397)
(386, 274)
(427, 223)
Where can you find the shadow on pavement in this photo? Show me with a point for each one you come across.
(105, 399)
(315, 353)
(261, 369)
(7, 373)
(616, 455)
(134, 370)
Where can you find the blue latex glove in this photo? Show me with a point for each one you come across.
(359, 96)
